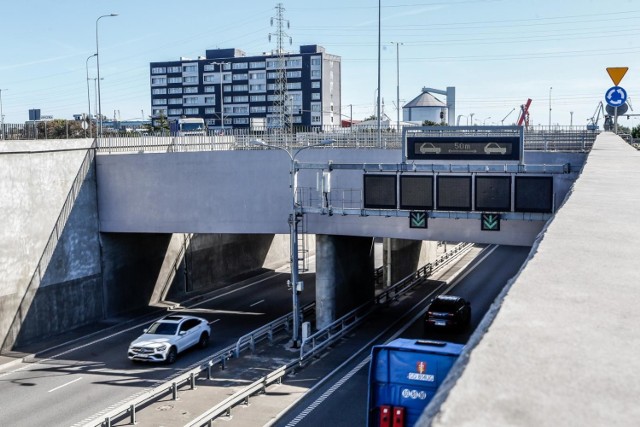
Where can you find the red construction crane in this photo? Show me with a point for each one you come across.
(524, 114)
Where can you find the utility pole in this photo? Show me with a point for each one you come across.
(281, 93)
(398, 44)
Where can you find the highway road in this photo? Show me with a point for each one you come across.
(341, 398)
(73, 382)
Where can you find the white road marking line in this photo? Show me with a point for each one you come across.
(256, 303)
(214, 321)
(64, 385)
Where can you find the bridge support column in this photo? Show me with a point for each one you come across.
(344, 275)
(402, 257)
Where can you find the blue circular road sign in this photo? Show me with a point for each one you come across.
(616, 96)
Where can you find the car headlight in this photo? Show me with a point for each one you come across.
(161, 348)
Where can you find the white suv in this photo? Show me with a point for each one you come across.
(165, 338)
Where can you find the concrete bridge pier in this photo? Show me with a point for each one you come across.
(402, 257)
(344, 275)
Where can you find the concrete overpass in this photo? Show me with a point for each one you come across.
(113, 241)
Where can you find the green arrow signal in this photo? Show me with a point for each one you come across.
(490, 222)
(418, 220)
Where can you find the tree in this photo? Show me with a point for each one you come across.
(635, 132)
(61, 129)
(430, 123)
(160, 124)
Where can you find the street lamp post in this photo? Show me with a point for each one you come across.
(398, 44)
(88, 93)
(471, 118)
(98, 68)
(1, 116)
(220, 64)
(508, 114)
(484, 122)
(294, 218)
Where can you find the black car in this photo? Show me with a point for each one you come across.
(448, 311)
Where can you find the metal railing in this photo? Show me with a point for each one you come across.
(242, 396)
(267, 331)
(570, 140)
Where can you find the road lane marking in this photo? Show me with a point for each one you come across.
(256, 303)
(64, 385)
(214, 321)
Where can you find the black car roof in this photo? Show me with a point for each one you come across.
(448, 298)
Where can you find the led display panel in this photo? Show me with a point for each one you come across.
(380, 192)
(416, 192)
(482, 148)
(493, 193)
(534, 194)
(454, 193)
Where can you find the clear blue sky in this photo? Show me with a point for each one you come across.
(497, 53)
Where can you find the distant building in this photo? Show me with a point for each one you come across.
(427, 107)
(192, 88)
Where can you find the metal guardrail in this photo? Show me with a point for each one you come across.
(326, 336)
(224, 407)
(267, 331)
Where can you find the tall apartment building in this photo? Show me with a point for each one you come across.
(241, 89)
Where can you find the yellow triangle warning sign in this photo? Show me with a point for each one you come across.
(617, 73)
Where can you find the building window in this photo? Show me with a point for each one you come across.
(162, 91)
(271, 86)
(240, 76)
(272, 75)
(159, 101)
(294, 74)
(226, 88)
(258, 98)
(175, 80)
(158, 70)
(159, 112)
(272, 63)
(316, 74)
(190, 80)
(316, 60)
(297, 119)
(258, 109)
(294, 85)
(192, 89)
(175, 111)
(190, 69)
(316, 106)
(158, 81)
(293, 63)
(257, 88)
(210, 78)
(257, 75)
(190, 100)
(227, 99)
(192, 111)
(175, 90)
(315, 96)
(240, 88)
(211, 100)
(240, 109)
(209, 110)
(243, 98)
(315, 85)
(241, 121)
(175, 69)
(174, 101)
(316, 119)
(258, 64)
(272, 98)
(240, 65)
(209, 89)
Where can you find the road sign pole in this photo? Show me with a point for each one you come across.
(615, 120)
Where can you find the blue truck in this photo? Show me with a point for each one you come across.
(404, 375)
